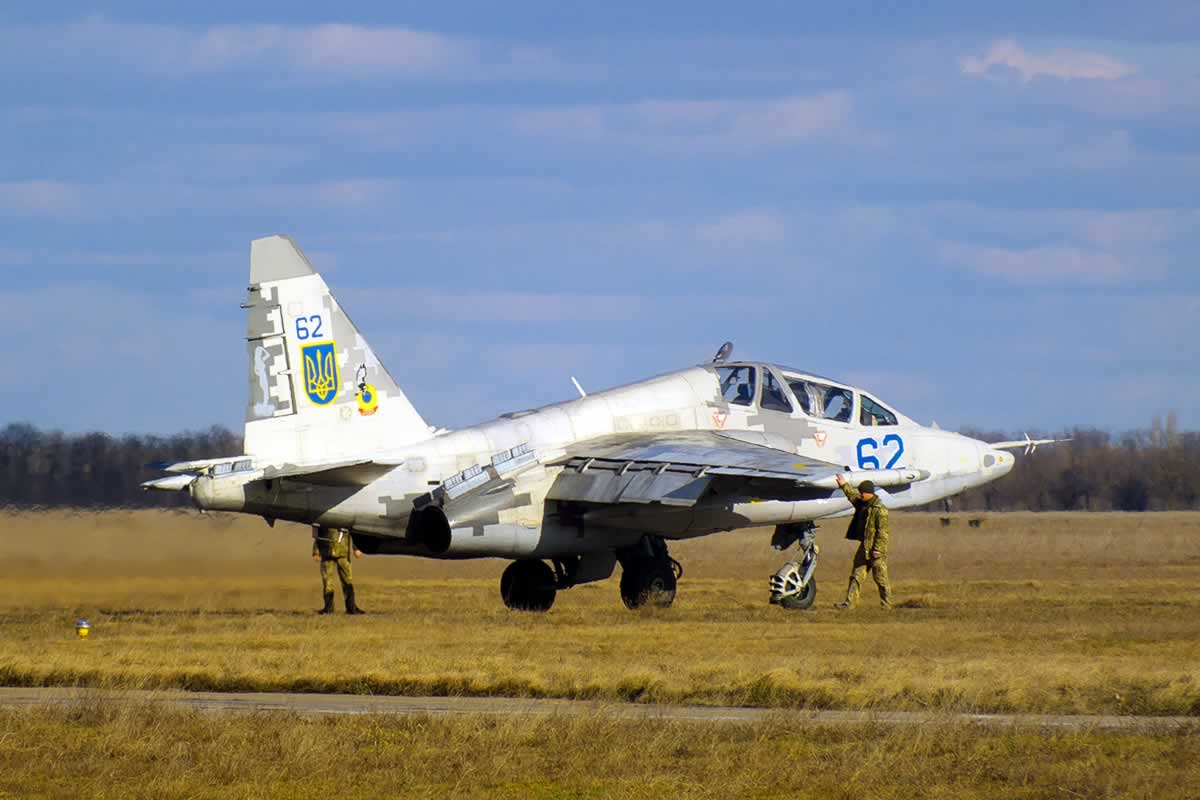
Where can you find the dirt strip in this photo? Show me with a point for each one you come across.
(312, 704)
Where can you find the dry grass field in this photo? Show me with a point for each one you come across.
(1045, 613)
(101, 750)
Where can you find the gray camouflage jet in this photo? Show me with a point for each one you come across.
(568, 491)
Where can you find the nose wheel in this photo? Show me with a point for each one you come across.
(794, 586)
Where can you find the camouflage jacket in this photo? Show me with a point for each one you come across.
(877, 532)
(333, 544)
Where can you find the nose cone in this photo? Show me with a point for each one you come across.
(998, 462)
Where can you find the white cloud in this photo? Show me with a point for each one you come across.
(109, 262)
(709, 126)
(351, 193)
(74, 335)
(39, 197)
(1043, 265)
(1136, 228)
(750, 226)
(357, 49)
(1063, 63)
(1129, 230)
(444, 304)
(354, 51)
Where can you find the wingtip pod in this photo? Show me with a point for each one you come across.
(277, 258)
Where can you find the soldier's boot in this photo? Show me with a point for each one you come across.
(328, 609)
(351, 606)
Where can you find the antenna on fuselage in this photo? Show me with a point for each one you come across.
(723, 354)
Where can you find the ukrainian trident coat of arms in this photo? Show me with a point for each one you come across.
(321, 382)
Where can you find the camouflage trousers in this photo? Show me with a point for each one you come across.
(335, 568)
(879, 571)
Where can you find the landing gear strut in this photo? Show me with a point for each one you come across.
(794, 587)
(648, 574)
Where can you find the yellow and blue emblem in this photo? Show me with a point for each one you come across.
(321, 381)
(368, 401)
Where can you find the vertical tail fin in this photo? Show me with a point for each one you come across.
(316, 388)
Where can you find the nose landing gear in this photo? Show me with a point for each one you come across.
(794, 587)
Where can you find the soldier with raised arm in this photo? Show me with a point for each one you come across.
(869, 527)
(332, 548)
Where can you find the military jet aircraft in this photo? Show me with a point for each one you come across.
(568, 491)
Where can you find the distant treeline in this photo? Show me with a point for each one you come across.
(1148, 470)
(1098, 471)
(94, 470)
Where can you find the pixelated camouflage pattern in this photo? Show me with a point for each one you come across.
(858, 573)
(333, 570)
(877, 532)
(331, 543)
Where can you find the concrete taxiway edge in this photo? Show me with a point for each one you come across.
(15, 698)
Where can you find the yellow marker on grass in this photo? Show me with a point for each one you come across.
(82, 628)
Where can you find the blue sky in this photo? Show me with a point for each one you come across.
(989, 216)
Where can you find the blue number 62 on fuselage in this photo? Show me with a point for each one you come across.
(869, 447)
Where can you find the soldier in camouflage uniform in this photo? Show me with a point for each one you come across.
(332, 548)
(869, 526)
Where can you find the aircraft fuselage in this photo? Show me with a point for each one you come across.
(863, 435)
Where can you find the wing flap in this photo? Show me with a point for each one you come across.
(678, 469)
(623, 482)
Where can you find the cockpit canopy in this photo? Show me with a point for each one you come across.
(788, 391)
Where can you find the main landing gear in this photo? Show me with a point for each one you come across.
(794, 587)
(648, 576)
(528, 585)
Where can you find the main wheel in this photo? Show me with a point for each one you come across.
(528, 586)
(648, 582)
(803, 600)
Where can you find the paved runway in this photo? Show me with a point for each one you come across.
(313, 704)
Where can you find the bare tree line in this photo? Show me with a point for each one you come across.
(1145, 470)
(1148, 470)
(51, 469)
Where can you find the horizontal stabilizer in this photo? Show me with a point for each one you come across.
(202, 464)
(171, 483)
(338, 473)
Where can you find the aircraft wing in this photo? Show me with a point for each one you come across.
(680, 468)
